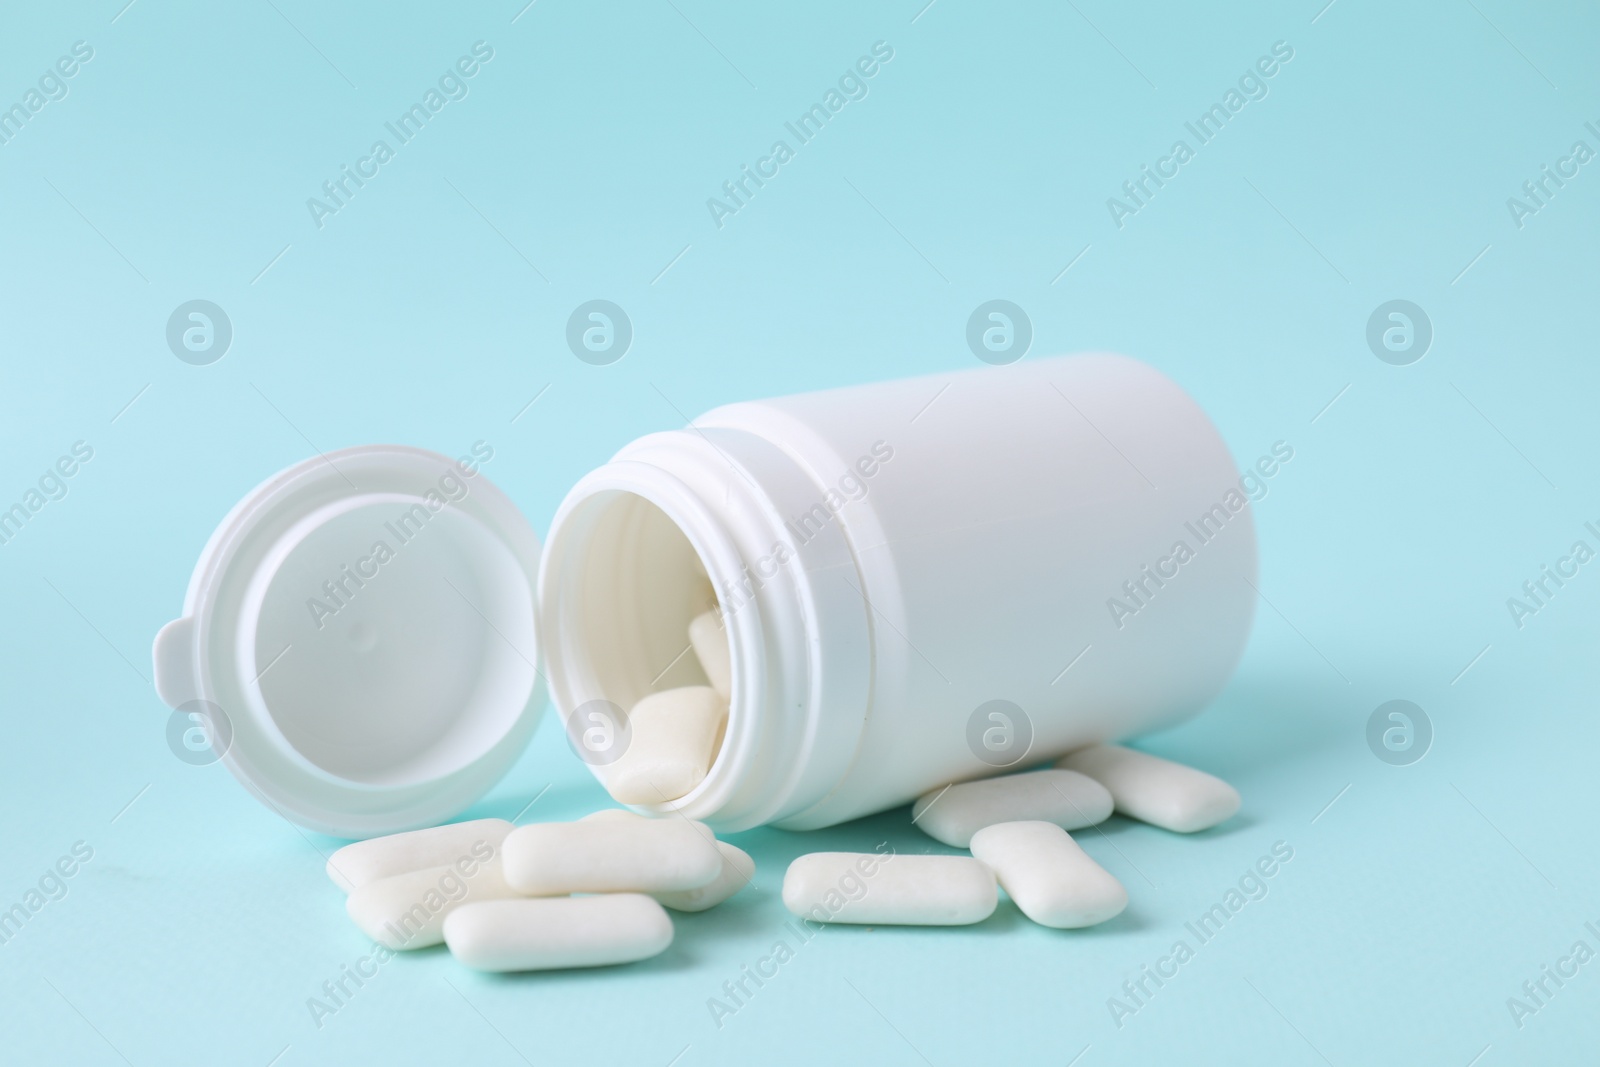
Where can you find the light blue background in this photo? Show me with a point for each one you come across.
(978, 167)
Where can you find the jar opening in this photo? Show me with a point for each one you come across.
(677, 524)
(633, 592)
(629, 584)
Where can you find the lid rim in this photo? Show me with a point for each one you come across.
(204, 635)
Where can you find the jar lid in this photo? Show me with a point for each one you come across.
(358, 643)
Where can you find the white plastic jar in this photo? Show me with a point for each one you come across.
(922, 581)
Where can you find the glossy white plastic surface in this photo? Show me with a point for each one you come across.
(890, 559)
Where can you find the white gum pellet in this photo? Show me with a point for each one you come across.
(356, 865)
(737, 870)
(539, 935)
(673, 735)
(1068, 799)
(611, 813)
(1050, 879)
(710, 643)
(881, 889)
(1157, 791)
(406, 911)
(611, 855)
